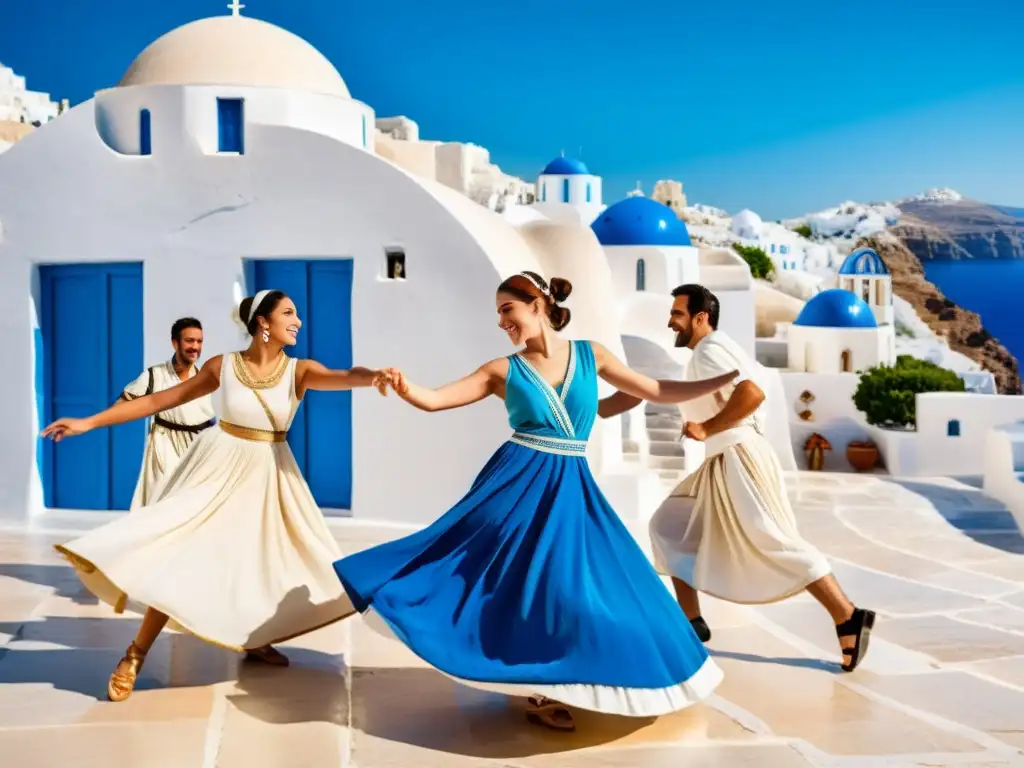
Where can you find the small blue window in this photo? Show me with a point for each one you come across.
(565, 190)
(641, 275)
(588, 191)
(783, 249)
(145, 142)
(953, 428)
(364, 131)
(230, 126)
(544, 192)
(773, 247)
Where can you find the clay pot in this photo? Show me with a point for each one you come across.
(862, 455)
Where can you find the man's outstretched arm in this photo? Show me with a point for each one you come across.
(616, 404)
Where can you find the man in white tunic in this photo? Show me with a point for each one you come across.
(172, 431)
(729, 528)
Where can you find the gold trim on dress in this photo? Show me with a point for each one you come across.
(256, 435)
(244, 375)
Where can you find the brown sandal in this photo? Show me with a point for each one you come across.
(122, 681)
(550, 714)
(267, 654)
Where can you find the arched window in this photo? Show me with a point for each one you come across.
(588, 191)
(953, 428)
(866, 291)
(846, 363)
(565, 190)
(641, 275)
(544, 192)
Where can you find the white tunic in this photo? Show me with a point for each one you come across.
(729, 529)
(165, 447)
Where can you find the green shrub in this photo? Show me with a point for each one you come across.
(804, 230)
(886, 395)
(761, 266)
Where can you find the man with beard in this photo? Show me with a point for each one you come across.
(172, 431)
(729, 529)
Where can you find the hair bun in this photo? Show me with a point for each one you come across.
(560, 289)
(559, 316)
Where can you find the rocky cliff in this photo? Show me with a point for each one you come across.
(961, 229)
(961, 328)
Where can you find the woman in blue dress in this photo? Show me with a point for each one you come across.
(531, 585)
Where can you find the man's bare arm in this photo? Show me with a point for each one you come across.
(745, 399)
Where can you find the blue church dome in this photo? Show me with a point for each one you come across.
(864, 261)
(836, 308)
(565, 166)
(640, 221)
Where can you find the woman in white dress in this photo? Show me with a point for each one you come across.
(233, 549)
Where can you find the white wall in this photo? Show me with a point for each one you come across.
(193, 219)
(737, 318)
(834, 414)
(940, 454)
(1004, 467)
(555, 184)
(665, 268)
(820, 350)
(183, 117)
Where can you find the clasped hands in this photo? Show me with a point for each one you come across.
(390, 377)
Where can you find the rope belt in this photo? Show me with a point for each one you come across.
(194, 429)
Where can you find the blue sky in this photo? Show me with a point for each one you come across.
(783, 108)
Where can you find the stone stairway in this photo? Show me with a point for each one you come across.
(665, 451)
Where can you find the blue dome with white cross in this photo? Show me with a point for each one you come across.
(836, 308)
(565, 166)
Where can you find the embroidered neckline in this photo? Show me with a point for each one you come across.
(245, 377)
(555, 400)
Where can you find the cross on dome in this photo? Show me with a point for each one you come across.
(236, 8)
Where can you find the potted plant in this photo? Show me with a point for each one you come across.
(815, 448)
(862, 454)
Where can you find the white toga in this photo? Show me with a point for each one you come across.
(729, 528)
(165, 446)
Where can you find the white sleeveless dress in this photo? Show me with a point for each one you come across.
(233, 548)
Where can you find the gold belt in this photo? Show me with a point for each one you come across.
(257, 435)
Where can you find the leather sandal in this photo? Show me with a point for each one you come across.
(122, 681)
(550, 714)
(267, 654)
(701, 629)
(858, 626)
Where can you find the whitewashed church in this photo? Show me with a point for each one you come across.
(231, 157)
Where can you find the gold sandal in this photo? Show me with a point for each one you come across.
(122, 681)
(267, 654)
(550, 714)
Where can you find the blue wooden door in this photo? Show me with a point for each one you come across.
(91, 327)
(321, 434)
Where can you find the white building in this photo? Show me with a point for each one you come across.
(567, 190)
(20, 105)
(232, 157)
(864, 274)
(836, 332)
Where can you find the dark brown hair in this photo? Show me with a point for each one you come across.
(524, 287)
(699, 299)
(268, 305)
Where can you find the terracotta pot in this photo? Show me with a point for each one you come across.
(862, 456)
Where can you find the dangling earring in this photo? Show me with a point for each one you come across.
(266, 336)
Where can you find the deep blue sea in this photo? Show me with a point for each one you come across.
(993, 289)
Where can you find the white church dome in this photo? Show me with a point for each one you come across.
(235, 50)
(747, 224)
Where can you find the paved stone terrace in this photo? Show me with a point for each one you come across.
(943, 684)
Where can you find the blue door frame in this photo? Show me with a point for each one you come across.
(90, 324)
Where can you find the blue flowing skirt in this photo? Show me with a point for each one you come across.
(532, 584)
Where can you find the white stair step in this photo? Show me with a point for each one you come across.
(664, 448)
(668, 435)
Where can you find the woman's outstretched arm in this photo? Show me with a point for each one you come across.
(309, 374)
(616, 404)
(488, 379)
(612, 370)
(203, 383)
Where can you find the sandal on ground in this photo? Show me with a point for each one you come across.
(701, 629)
(858, 626)
(550, 714)
(122, 681)
(267, 655)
